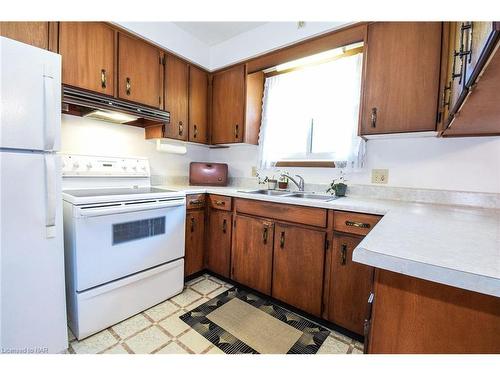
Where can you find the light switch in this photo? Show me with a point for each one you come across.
(380, 176)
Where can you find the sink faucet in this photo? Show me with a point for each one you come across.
(299, 184)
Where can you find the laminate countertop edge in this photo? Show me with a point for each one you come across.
(452, 245)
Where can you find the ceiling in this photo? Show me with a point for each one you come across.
(212, 33)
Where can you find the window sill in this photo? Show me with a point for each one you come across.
(306, 163)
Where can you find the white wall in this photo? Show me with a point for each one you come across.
(93, 137)
(263, 39)
(462, 164)
(174, 39)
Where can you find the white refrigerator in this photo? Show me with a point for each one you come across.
(32, 299)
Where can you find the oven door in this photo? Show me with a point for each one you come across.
(115, 240)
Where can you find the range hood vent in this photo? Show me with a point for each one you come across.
(82, 102)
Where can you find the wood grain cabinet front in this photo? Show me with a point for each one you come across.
(33, 33)
(140, 71)
(402, 71)
(198, 101)
(252, 252)
(176, 97)
(347, 286)
(218, 251)
(195, 242)
(298, 267)
(88, 55)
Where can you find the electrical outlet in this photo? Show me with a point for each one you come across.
(254, 171)
(380, 176)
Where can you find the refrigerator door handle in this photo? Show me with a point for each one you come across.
(50, 197)
(50, 106)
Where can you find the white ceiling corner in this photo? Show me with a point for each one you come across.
(212, 33)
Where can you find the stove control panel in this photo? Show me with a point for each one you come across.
(103, 166)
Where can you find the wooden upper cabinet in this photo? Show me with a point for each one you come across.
(349, 286)
(252, 252)
(253, 109)
(33, 33)
(298, 267)
(176, 97)
(88, 53)
(402, 71)
(140, 71)
(198, 100)
(228, 105)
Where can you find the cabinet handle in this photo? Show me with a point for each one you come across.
(181, 128)
(236, 131)
(264, 235)
(128, 86)
(282, 240)
(196, 202)
(357, 224)
(195, 133)
(220, 203)
(103, 78)
(343, 255)
(192, 224)
(373, 117)
(224, 226)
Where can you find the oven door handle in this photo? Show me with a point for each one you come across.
(124, 208)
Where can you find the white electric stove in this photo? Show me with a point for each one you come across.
(123, 240)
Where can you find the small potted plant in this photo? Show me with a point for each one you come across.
(283, 182)
(338, 186)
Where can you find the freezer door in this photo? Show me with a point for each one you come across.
(33, 308)
(30, 97)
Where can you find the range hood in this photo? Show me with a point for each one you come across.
(102, 107)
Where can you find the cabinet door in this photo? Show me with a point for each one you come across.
(195, 241)
(401, 86)
(252, 253)
(219, 244)
(198, 99)
(298, 267)
(33, 33)
(478, 37)
(228, 105)
(176, 97)
(87, 50)
(455, 75)
(139, 71)
(349, 285)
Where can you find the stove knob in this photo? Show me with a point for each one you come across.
(76, 165)
(124, 167)
(143, 168)
(89, 165)
(134, 168)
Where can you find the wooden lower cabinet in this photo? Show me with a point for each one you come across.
(195, 242)
(252, 252)
(347, 286)
(412, 315)
(218, 251)
(298, 266)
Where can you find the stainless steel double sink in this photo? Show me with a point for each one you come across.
(295, 194)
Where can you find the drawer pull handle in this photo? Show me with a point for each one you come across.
(236, 131)
(192, 224)
(128, 86)
(224, 226)
(103, 78)
(195, 131)
(282, 240)
(220, 203)
(264, 235)
(343, 255)
(357, 224)
(196, 202)
(181, 128)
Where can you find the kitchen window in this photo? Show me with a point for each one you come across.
(311, 109)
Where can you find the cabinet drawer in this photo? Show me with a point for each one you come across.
(195, 201)
(219, 202)
(351, 222)
(285, 212)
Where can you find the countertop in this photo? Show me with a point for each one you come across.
(452, 245)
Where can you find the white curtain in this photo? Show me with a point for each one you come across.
(312, 114)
